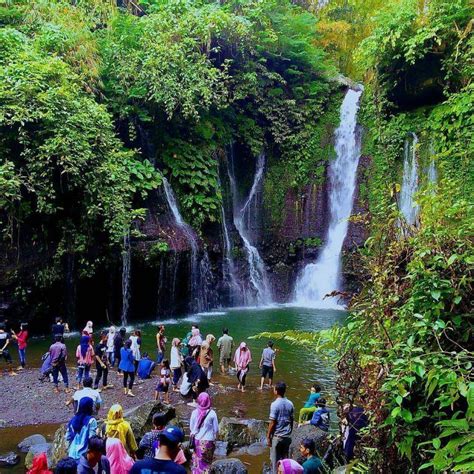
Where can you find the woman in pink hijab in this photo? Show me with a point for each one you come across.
(289, 466)
(204, 428)
(120, 461)
(242, 359)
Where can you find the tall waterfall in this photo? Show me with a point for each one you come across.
(200, 269)
(244, 216)
(409, 181)
(126, 259)
(321, 278)
(432, 172)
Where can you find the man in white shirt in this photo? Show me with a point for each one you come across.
(87, 391)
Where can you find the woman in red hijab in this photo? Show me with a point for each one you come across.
(40, 465)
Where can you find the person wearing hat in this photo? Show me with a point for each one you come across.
(170, 439)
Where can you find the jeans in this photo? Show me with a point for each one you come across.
(56, 370)
(126, 375)
(159, 357)
(101, 373)
(22, 356)
(207, 371)
(111, 357)
(83, 371)
(279, 450)
(176, 375)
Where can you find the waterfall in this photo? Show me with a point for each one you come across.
(322, 277)
(126, 259)
(228, 266)
(244, 216)
(200, 269)
(409, 187)
(432, 172)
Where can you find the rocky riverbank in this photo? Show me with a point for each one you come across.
(27, 401)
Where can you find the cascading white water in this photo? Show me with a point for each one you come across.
(126, 259)
(321, 278)
(260, 292)
(200, 270)
(432, 172)
(228, 266)
(409, 187)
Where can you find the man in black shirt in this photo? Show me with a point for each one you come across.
(102, 362)
(170, 438)
(118, 344)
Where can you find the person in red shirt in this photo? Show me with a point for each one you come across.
(22, 341)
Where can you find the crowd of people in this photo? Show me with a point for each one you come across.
(112, 447)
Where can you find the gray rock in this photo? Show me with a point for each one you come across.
(242, 432)
(9, 459)
(228, 466)
(3, 423)
(308, 431)
(32, 440)
(38, 449)
(221, 449)
(141, 417)
(266, 468)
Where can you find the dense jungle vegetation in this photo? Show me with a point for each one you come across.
(97, 104)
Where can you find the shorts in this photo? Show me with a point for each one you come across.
(224, 359)
(267, 371)
(162, 387)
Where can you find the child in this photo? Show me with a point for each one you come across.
(165, 380)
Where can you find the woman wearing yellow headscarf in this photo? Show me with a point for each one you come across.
(117, 427)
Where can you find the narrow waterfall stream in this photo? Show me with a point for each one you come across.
(126, 260)
(200, 269)
(259, 293)
(409, 187)
(322, 277)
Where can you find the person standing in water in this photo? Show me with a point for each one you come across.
(160, 344)
(225, 344)
(206, 356)
(267, 364)
(22, 341)
(280, 427)
(242, 359)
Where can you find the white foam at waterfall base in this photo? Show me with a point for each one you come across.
(322, 277)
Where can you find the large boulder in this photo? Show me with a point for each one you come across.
(141, 417)
(38, 449)
(242, 432)
(228, 466)
(60, 445)
(9, 459)
(320, 438)
(32, 440)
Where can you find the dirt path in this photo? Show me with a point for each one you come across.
(24, 400)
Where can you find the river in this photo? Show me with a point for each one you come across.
(298, 366)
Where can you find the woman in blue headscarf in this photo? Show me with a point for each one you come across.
(81, 427)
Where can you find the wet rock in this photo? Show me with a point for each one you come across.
(141, 417)
(307, 431)
(32, 440)
(9, 459)
(3, 423)
(60, 446)
(38, 449)
(228, 466)
(221, 449)
(242, 432)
